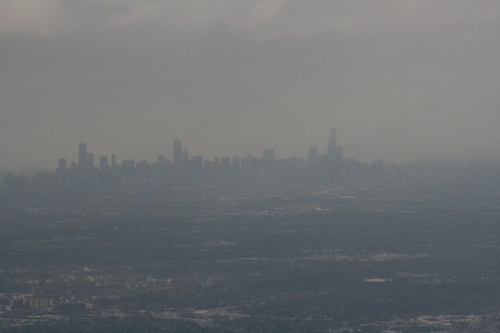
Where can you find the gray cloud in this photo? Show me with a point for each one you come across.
(399, 80)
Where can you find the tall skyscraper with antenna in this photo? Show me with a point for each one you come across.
(334, 153)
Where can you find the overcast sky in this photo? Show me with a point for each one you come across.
(400, 80)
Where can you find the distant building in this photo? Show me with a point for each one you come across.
(268, 160)
(225, 163)
(62, 163)
(161, 159)
(185, 159)
(312, 158)
(334, 153)
(178, 154)
(332, 144)
(82, 156)
(90, 160)
(197, 163)
(236, 162)
(215, 166)
(339, 153)
(103, 163)
(128, 165)
(206, 166)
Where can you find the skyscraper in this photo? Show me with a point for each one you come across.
(339, 153)
(332, 144)
(185, 159)
(268, 159)
(335, 153)
(177, 154)
(82, 156)
(103, 163)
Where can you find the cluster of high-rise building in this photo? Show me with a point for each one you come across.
(192, 171)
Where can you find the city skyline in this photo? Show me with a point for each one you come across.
(402, 81)
(182, 170)
(175, 152)
(180, 154)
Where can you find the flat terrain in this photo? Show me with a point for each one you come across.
(298, 261)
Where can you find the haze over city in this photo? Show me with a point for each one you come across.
(400, 81)
(249, 166)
